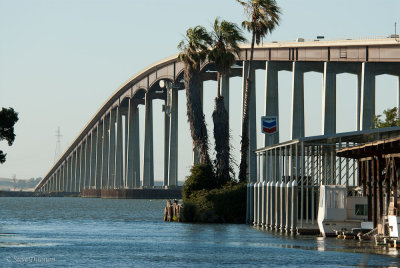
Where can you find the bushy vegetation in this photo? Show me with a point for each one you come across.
(391, 119)
(205, 201)
(201, 178)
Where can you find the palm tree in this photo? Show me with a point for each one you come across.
(194, 50)
(263, 16)
(225, 38)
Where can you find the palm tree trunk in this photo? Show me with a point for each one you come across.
(198, 128)
(244, 150)
(222, 137)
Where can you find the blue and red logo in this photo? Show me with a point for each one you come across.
(269, 124)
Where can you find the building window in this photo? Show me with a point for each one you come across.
(361, 210)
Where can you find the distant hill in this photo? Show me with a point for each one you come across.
(7, 184)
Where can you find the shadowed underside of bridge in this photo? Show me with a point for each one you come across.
(103, 157)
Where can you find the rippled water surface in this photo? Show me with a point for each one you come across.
(76, 232)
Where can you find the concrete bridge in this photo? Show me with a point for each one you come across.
(106, 154)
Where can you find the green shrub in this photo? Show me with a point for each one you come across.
(201, 177)
(226, 204)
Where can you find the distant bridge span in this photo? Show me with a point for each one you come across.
(96, 159)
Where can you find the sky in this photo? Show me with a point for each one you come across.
(61, 59)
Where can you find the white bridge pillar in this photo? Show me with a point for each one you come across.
(148, 164)
(111, 151)
(82, 166)
(133, 149)
(173, 139)
(167, 122)
(104, 155)
(367, 96)
(99, 155)
(74, 188)
(297, 118)
(93, 147)
(87, 161)
(329, 100)
(118, 179)
(225, 91)
(398, 93)
(252, 158)
(271, 98)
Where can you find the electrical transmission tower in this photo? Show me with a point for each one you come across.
(58, 145)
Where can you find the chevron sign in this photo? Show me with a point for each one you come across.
(269, 124)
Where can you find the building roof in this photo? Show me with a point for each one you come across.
(380, 148)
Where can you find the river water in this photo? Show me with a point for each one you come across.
(78, 232)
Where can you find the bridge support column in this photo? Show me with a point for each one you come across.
(81, 165)
(59, 180)
(68, 170)
(111, 151)
(225, 91)
(93, 147)
(367, 95)
(50, 184)
(129, 145)
(359, 84)
(271, 98)
(398, 93)
(58, 186)
(329, 100)
(87, 160)
(167, 123)
(118, 181)
(271, 107)
(136, 149)
(297, 119)
(99, 153)
(173, 139)
(252, 158)
(148, 164)
(73, 172)
(63, 177)
(104, 154)
(133, 149)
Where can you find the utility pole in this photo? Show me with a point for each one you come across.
(58, 144)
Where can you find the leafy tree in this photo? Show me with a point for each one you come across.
(263, 17)
(225, 39)
(391, 119)
(194, 50)
(8, 118)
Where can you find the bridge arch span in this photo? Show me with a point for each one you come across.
(96, 158)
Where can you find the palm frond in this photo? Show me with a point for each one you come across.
(263, 16)
(194, 47)
(226, 37)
